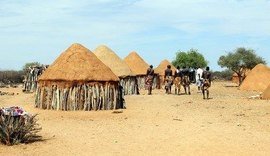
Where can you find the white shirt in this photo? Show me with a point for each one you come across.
(199, 71)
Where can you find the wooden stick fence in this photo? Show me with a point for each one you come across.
(129, 84)
(86, 97)
(141, 81)
(31, 77)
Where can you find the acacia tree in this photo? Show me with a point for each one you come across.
(191, 58)
(30, 64)
(240, 60)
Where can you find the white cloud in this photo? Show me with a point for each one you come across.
(228, 17)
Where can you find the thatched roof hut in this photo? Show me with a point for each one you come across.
(119, 67)
(257, 79)
(266, 93)
(110, 58)
(161, 70)
(137, 65)
(78, 80)
(163, 66)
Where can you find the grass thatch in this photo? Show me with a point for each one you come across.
(137, 65)
(113, 61)
(78, 63)
(257, 79)
(163, 66)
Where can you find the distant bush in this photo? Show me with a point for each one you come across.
(18, 129)
(11, 76)
(223, 75)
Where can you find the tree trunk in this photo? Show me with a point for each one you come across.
(240, 79)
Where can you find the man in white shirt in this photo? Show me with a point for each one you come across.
(199, 72)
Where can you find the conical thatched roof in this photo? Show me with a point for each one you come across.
(163, 66)
(266, 93)
(78, 63)
(137, 65)
(257, 79)
(108, 57)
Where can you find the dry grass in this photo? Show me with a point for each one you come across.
(114, 62)
(136, 63)
(163, 66)
(266, 93)
(257, 79)
(78, 63)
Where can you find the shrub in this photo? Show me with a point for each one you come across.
(223, 75)
(18, 129)
(11, 76)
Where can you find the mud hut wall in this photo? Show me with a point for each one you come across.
(86, 97)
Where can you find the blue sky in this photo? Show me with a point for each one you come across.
(38, 30)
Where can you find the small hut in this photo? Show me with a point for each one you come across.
(119, 67)
(161, 70)
(78, 80)
(139, 67)
(257, 79)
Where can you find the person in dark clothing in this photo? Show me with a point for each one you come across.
(185, 71)
(178, 72)
(206, 75)
(186, 80)
(121, 97)
(177, 80)
(168, 79)
(190, 70)
(149, 79)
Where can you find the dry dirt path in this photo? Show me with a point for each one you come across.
(227, 124)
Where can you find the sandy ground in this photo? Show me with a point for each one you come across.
(227, 124)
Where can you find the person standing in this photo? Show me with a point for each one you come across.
(199, 72)
(186, 80)
(149, 79)
(177, 80)
(191, 74)
(168, 79)
(206, 75)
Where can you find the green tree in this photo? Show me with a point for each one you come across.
(30, 64)
(240, 60)
(191, 58)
